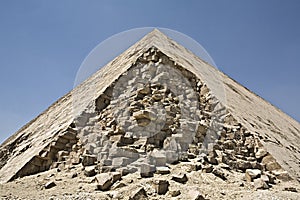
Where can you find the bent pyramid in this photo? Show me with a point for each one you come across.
(156, 103)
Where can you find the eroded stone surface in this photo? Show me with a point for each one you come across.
(154, 113)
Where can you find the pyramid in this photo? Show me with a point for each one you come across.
(156, 103)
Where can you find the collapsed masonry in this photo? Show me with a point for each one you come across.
(156, 112)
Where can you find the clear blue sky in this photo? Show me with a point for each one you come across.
(42, 44)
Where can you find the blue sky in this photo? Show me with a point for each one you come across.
(43, 43)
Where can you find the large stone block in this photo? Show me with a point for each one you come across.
(146, 170)
(161, 186)
(180, 178)
(104, 181)
(252, 174)
(88, 160)
(159, 158)
(90, 171)
(120, 161)
(172, 156)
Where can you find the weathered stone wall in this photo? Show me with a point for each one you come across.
(158, 113)
(156, 107)
(51, 156)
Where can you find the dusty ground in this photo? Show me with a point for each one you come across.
(82, 187)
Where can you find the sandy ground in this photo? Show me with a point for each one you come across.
(82, 187)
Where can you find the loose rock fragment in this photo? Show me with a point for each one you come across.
(207, 168)
(104, 181)
(252, 174)
(180, 178)
(290, 189)
(174, 193)
(50, 184)
(220, 173)
(260, 184)
(90, 171)
(74, 175)
(162, 170)
(139, 194)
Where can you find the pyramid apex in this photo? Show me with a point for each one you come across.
(154, 35)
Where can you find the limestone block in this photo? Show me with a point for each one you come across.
(115, 138)
(116, 176)
(90, 171)
(139, 194)
(270, 163)
(252, 174)
(63, 140)
(144, 114)
(58, 145)
(120, 161)
(161, 186)
(159, 158)
(180, 178)
(104, 181)
(261, 153)
(88, 160)
(106, 162)
(162, 170)
(102, 155)
(146, 170)
(260, 184)
(172, 156)
(105, 169)
(69, 135)
(127, 170)
(141, 142)
(50, 184)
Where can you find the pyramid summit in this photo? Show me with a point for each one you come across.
(151, 107)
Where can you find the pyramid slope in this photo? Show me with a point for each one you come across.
(279, 132)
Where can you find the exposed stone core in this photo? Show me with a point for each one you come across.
(154, 105)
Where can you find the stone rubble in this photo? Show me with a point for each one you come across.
(161, 186)
(50, 184)
(139, 194)
(180, 178)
